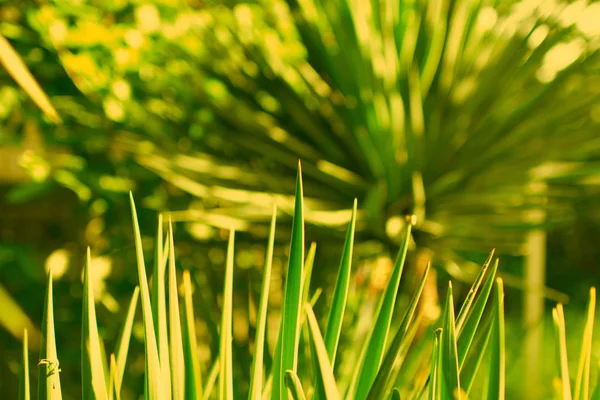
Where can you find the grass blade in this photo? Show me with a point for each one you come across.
(24, 391)
(450, 367)
(340, 294)
(49, 372)
(124, 340)
(292, 297)
(378, 336)
(558, 317)
(177, 361)
(256, 377)
(582, 385)
(193, 382)
(114, 385)
(326, 370)
(93, 383)
(496, 383)
(225, 353)
(294, 386)
(472, 315)
(435, 379)
(472, 365)
(390, 365)
(153, 371)
(213, 374)
(16, 68)
(470, 298)
(159, 308)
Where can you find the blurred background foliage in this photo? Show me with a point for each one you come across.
(481, 118)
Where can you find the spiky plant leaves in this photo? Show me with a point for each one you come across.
(470, 298)
(375, 345)
(153, 388)
(292, 382)
(93, 383)
(472, 365)
(48, 366)
(114, 385)
(159, 306)
(211, 379)
(309, 263)
(435, 380)
(15, 66)
(582, 383)
(558, 318)
(256, 375)
(177, 359)
(450, 376)
(124, 340)
(193, 380)
(226, 351)
(474, 311)
(24, 390)
(391, 363)
(325, 367)
(292, 297)
(497, 378)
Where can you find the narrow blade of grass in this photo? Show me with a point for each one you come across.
(159, 308)
(390, 365)
(114, 393)
(294, 386)
(582, 384)
(49, 372)
(326, 371)
(292, 297)
(225, 353)
(193, 385)
(473, 364)
(177, 361)
(211, 379)
(15, 66)
(153, 371)
(470, 298)
(450, 369)
(256, 377)
(93, 385)
(309, 263)
(558, 317)
(497, 379)
(435, 378)
(472, 315)
(24, 391)
(124, 340)
(373, 352)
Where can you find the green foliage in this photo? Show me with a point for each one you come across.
(448, 377)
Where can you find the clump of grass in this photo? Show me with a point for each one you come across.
(464, 346)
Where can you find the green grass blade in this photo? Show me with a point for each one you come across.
(340, 294)
(211, 379)
(435, 375)
(497, 379)
(390, 365)
(177, 360)
(15, 66)
(292, 382)
(558, 317)
(114, 385)
(48, 366)
(153, 372)
(309, 263)
(325, 368)
(582, 384)
(472, 315)
(377, 339)
(193, 382)
(292, 297)
(93, 384)
(24, 391)
(225, 353)
(450, 367)
(124, 340)
(159, 308)
(470, 298)
(473, 364)
(256, 377)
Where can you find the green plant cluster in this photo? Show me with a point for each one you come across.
(465, 349)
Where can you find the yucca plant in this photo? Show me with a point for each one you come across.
(465, 350)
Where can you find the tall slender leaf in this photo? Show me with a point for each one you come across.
(93, 382)
(193, 381)
(292, 382)
(24, 390)
(292, 297)
(582, 384)
(124, 340)
(558, 317)
(450, 367)
(435, 382)
(49, 371)
(153, 371)
(256, 377)
(177, 360)
(497, 380)
(225, 353)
